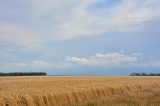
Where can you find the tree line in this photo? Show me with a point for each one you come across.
(24, 74)
(144, 74)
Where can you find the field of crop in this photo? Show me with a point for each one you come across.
(79, 91)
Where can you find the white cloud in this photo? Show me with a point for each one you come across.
(51, 19)
(113, 59)
(137, 54)
(126, 15)
(35, 64)
(149, 64)
(18, 35)
(12, 67)
(155, 63)
(109, 59)
(44, 64)
(18, 64)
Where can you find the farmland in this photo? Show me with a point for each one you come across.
(79, 91)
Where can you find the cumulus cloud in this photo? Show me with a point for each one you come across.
(109, 59)
(113, 59)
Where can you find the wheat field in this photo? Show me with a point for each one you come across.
(76, 90)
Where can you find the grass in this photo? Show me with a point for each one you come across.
(80, 91)
(138, 98)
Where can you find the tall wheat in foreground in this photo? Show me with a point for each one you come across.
(66, 90)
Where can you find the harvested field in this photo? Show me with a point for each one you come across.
(77, 90)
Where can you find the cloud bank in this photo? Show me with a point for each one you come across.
(109, 59)
(42, 21)
(113, 60)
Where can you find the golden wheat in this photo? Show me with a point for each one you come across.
(67, 90)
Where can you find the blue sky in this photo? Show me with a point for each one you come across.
(80, 37)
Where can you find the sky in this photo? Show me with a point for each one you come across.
(80, 37)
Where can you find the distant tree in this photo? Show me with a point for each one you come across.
(24, 74)
(135, 74)
(144, 74)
